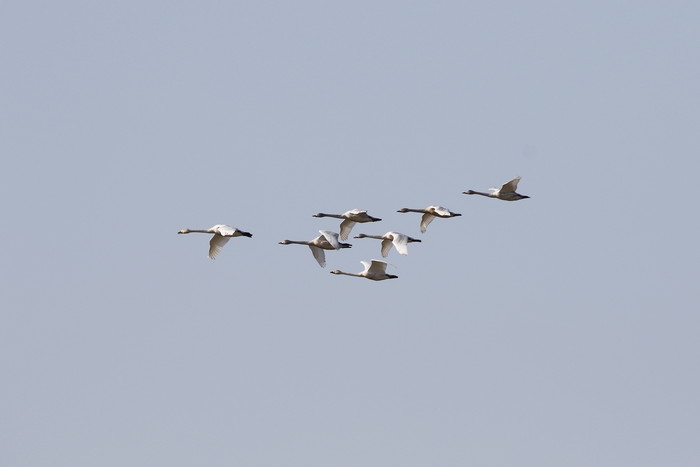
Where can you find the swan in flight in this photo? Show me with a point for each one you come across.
(222, 234)
(430, 213)
(326, 241)
(376, 271)
(350, 218)
(399, 240)
(506, 192)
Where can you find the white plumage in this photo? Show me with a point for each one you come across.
(375, 270)
(326, 241)
(222, 234)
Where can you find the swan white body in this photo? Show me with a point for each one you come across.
(430, 213)
(398, 240)
(376, 271)
(326, 241)
(506, 192)
(350, 218)
(222, 234)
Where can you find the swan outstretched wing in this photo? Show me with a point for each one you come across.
(511, 186)
(223, 230)
(367, 265)
(345, 228)
(425, 221)
(377, 268)
(354, 212)
(216, 243)
(319, 255)
(400, 242)
(332, 238)
(440, 211)
(386, 247)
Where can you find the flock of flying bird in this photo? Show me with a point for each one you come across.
(376, 269)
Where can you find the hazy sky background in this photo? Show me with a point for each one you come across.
(561, 330)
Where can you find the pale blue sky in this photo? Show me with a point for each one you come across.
(556, 331)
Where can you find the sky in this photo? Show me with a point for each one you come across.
(556, 330)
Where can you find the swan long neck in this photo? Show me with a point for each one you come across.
(347, 273)
(185, 231)
(295, 242)
(412, 210)
(472, 192)
(321, 214)
(378, 237)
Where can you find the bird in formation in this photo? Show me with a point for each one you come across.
(326, 241)
(222, 234)
(376, 271)
(350, 218)
(398, 240)
(430, 213)
(506, 192)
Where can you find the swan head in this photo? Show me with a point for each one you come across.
(360, 236)
(468, 192)
(336, 271)
(184, 231)
(320, 214)
(403, 210)
(285, 242)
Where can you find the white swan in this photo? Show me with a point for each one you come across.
(399, 240)
(430, 213)
(350, 218)
(222, 234)
(326, 241)
(376, 271)
(506, 192)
